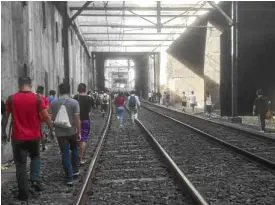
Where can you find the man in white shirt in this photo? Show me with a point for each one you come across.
(150, 96)
(208, 104)
(133, 105)
(192, 101)
(105, 103)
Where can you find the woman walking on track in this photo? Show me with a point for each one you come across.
(119, 102)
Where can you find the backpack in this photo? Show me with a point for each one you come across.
(62, 118)
(105, 101)
(132, 102)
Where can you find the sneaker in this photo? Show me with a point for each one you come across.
(37, 186)
(262, 131)
(76, 173)
(44, 148)
(83, 162)
(22, 197)
(69, 182)
(120, 126)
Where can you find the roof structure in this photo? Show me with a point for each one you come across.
(140, 26)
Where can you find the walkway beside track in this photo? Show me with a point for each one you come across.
(249, 122)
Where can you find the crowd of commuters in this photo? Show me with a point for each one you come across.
(36, 119)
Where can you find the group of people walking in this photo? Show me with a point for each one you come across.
(35, 118)
(123, 102)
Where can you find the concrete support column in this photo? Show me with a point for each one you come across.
(100, 77)
(142, 78)
(65, 41)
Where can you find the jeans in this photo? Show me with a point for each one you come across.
(70, 164)
(262, 120)
(119, 114)
(133, 115)
(21, 149)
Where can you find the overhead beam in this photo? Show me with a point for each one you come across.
(140, 26)
(143, 34)
(142, 17)
(121, 46)
(130, 15)
(127, 40)
(141, 8)
(80, 10)
(229, 20)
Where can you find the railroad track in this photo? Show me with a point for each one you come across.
(130, 167)
(255, 147)
(220, 175)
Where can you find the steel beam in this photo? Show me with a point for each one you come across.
(80, 10)
(142, 18)
(229, 20)
(121, 46)
(159, 25)
(134, 34)
(234, 58)
(141, 8)
(145, 16)
(140, 26)
(128, 40)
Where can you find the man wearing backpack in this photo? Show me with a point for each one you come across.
(66, 116)
(25, 107)
(133, 105)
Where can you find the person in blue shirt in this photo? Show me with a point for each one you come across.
(51, 96)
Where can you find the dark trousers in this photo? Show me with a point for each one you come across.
(262, 120)
(21, 149)
(70, 163)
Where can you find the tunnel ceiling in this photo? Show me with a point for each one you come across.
(147, 26)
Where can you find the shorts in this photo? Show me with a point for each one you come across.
(44, 128)
(85, 130)
(193, 105)
(184, 104)
(208, 108)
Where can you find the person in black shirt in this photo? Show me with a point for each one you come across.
(260, 108)
(85, 103)
(2, 107)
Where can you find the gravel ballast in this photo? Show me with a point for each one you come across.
(52, 175)
(130, 172)
(221, 176)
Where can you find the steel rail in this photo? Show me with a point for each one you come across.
(257, 135)
(172, 166)
(82, 197)
(250, 156)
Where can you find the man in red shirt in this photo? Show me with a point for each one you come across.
(25, 107)
(43, 124)
(119, 102)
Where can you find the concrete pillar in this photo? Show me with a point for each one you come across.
(142, 78)
(100, 77)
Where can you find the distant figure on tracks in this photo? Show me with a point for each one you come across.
(133, 105)
(193, 101)
(85, 103)
(51, 96)
(184, 102)
(119, 102)
(208, 104)
(150, 96)
(65, 114)
(105, 104)
(260, 108)
(25, 106)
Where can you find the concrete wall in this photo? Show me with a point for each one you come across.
(182, 79)
(32, 45)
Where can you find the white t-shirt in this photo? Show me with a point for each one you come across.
(150, 95)
(208, 100)
(192, 99)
